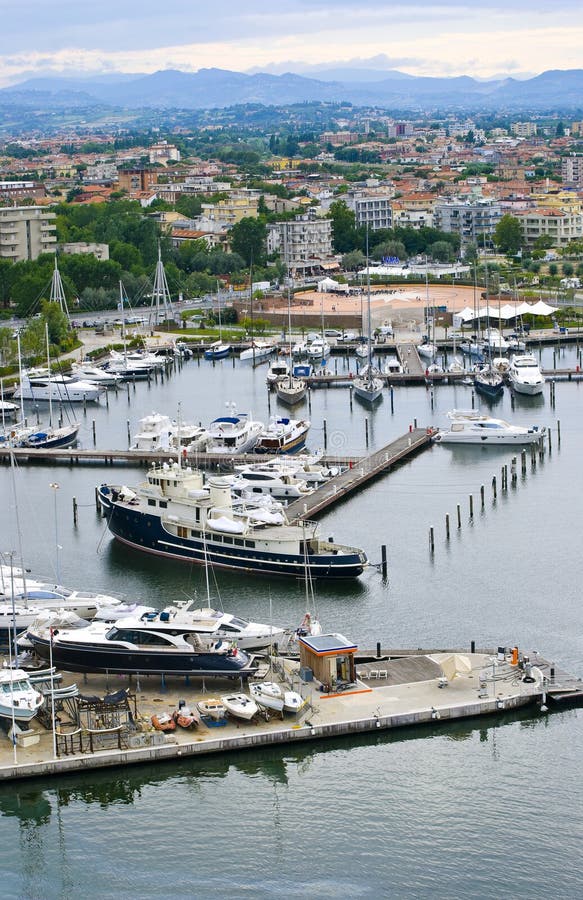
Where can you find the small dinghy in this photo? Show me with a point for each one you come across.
(240, 705)
(185, 718)
(212, 708)
(293, 702)
(267, 694)
(163, 722)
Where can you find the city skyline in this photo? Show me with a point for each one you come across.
(516, 38)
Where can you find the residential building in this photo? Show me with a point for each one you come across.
(523, 129)
(561, 225)
(572, 168)
(15, 191)
(26, 232)
(163, 152)
(304, 244)
(240, 205)
(99, 251)
(373, 210)
(138, 179)
(474, 219)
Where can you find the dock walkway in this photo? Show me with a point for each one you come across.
(358, 474)
(410, 360)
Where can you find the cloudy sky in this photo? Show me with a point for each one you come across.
(421, 37)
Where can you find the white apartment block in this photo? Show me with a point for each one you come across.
(562, 226)
(373, 210)
(303, 243)
(524, 129)
(572, 168)
(474, 219)
(26, 232)
(412, 218)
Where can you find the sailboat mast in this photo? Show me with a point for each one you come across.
(49, 374)
(369, 326)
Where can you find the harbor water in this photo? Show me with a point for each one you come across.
(483, 809)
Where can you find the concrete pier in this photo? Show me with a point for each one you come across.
(387, 694)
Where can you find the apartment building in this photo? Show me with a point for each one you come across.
(138, 179)
(572, 168)
(26, 232)
(15, 191)
(304, 244)
(373, 210)
(474, 219)
(561, 225)
(524, 129)
(240, 205)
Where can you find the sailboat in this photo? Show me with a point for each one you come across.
(259, 351)
(488, 381)
(218, 350)
(368, 386)
(290, 389)
(427, 347)
(51, 437)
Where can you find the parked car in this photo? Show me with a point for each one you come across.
(347, 337)
(332, 332)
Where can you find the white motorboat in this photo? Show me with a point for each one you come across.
(278, 482)
(293, 702)
(473, 427)
(361, 351)
(19, 701)
(214, 625)
(241, 706)
(212, 708)
(267, 694)
(300, 349)
(427, 350)
(160, 432)
(501, 364)
(40, 385)
(367, 385)
(276, 371)
(525, 375)
(95, 375)
(318, 349)
(8, 410)
(283, 435)
(233, 434)
(495, 342)
(258, 352)
(392, 366)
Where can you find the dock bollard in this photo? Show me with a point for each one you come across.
(378, 649)
(74, 510)
(384, 561)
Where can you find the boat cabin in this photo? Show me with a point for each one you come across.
(330, 657)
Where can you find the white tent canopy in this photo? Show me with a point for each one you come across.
(540, 308)
(329, 285)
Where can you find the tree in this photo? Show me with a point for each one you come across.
(249, 240)
(568, 269)
(442, 251)
(57, 322)
(344, 234)
(353, 260)
(544, 242)
(508, 234)
(394, 249)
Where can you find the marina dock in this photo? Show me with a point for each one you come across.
(360, 473)
(416, 688)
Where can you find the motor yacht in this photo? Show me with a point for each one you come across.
(474, 427)
(283, 435)
(525, 375)
(237, 433)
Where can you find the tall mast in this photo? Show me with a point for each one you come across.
(368, 304)
(57, 294)
(160, 292)
(49, 376)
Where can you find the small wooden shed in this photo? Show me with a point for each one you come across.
(330, 657)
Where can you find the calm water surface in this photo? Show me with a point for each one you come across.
(475, 810)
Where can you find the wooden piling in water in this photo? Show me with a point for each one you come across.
(447, 535)
(459, 516)
(431, 541)
(384, 561)
(74, 510)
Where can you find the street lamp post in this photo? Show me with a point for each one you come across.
(55, 488)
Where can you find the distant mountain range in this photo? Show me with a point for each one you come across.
(554, 90)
